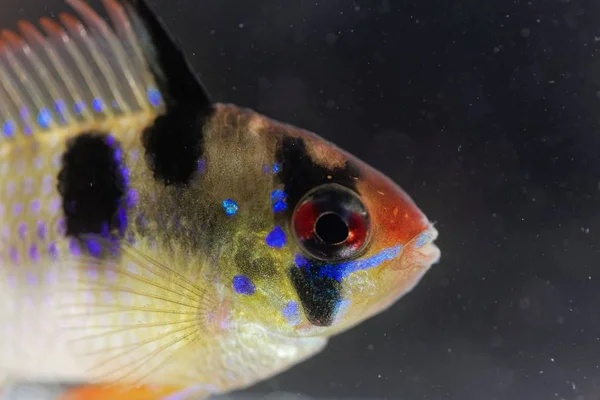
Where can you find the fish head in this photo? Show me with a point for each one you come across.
(344, 242)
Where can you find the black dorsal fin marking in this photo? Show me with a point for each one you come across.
(174, 142)
(171, 68)
(93, 184)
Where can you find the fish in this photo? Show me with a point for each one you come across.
(158, 244)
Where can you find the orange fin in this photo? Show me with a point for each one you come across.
(112, 392)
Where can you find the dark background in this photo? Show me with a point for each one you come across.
(486, 112)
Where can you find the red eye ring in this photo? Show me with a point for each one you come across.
(331, 223)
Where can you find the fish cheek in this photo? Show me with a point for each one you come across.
(253, 265)
(319, 294)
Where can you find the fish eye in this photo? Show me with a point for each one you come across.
(331, 223)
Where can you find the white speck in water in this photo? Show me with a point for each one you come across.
(241, 26)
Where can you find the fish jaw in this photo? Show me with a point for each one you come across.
(416, 259)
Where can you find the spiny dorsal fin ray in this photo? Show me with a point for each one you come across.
(85, 71)
(174, 75)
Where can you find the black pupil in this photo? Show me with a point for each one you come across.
(331, 228)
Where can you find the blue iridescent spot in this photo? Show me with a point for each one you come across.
(45, 118)
(275, 169)
(61, 109)
(98, 104)
(231, 207)
(118, 155)
(292, 313)
(42, 230)
(79, 107)
(61, 106)
(23, 230)
(24, 113)
(9, 128)
(154, 97)
(202, 165)
(53, 250)
(28, 130)
(301, 261)
(34, 253)
(126, 175)
(36, 206)
(94, 248)
(61, 227)
(279, 200)
(243, 285)
(123, 220)
(276, 238)
(132, 198)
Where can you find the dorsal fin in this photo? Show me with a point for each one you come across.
(85, 71)
(172, 70)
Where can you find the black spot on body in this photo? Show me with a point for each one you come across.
(319, 295)
(92, 185)
(174, 142)
(299, 173)
(173, 145)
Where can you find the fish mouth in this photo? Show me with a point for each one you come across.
(424, 247)
(413, 262)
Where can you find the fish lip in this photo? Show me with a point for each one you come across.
(424, 243)
(421, 250)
